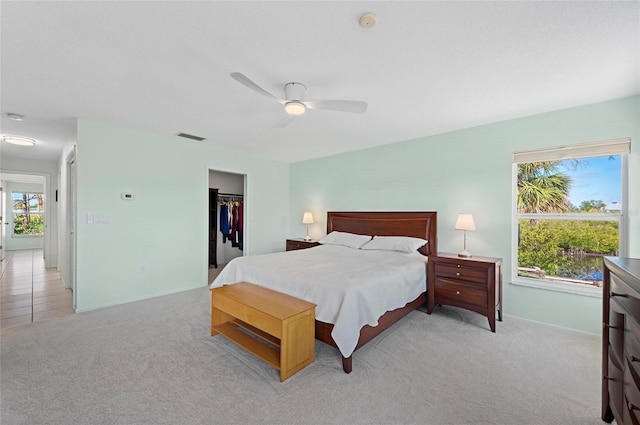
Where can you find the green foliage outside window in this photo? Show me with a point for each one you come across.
(33, 226)
(554, 246)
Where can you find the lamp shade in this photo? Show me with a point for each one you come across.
(307, 218)
(465, 222)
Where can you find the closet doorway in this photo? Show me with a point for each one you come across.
(227, 214)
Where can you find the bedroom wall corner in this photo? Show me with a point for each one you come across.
(470, 170)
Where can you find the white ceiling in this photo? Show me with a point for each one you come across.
(425, 68)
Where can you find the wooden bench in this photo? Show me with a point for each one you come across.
(273, 326)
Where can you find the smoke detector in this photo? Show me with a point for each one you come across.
(368, 20)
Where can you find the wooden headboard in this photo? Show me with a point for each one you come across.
(417, 224)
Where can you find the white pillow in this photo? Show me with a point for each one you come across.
(394, 243)
(351, 240)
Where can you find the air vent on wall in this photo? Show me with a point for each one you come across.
(190, 136)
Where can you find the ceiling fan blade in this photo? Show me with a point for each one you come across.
(243, 79)
(285, 121)
(355, 106)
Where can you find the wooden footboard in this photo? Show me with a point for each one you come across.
(417, 224)
(367, 333)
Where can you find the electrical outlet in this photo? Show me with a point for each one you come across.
(142, 268)
(89, 218)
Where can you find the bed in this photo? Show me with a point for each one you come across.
(373, 291)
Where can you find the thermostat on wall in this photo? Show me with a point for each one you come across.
(128, 196)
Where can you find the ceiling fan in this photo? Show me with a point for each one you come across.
(294, 103)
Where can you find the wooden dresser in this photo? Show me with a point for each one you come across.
(621, 341)
(473, 283)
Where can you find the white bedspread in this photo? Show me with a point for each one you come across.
(351, 287)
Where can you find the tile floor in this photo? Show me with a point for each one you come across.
(29, 292)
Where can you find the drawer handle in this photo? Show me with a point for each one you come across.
(457, 292)
(458, 265)
(633, 406)
(458, 274)
(615, 294)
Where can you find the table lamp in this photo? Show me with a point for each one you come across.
(464, 223)
(307, 218)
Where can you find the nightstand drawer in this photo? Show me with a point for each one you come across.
(462, 272)
(457, 292)
(293, 244)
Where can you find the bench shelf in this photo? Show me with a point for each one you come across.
(275, 327)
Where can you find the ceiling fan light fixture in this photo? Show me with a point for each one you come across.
(20, 141)
(294, 107)
(293, 102)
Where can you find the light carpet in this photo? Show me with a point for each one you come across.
(154, 362)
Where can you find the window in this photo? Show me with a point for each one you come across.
(569, 212)
(28, 214)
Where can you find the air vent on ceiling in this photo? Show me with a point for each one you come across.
(190, 136)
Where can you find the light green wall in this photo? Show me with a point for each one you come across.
(470, 171)
(165, 228)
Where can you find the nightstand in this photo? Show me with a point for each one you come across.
(293, 244)
(473, 283)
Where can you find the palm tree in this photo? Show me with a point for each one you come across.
(542, 188)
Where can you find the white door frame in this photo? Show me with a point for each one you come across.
(71, 223)
(3, 222)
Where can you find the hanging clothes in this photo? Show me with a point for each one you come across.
(225, 229)
(231, 220)
(239, 237)
(234, 225)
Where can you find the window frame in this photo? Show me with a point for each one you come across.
(612, 147)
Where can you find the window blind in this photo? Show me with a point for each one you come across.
(609, 147)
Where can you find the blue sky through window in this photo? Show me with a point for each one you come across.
(598, 178)
(33, 202)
